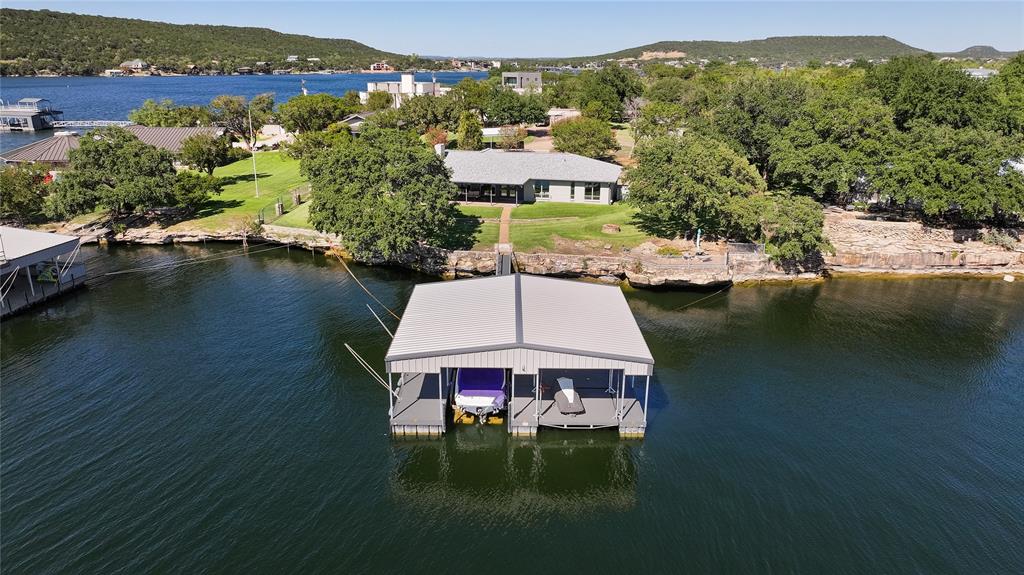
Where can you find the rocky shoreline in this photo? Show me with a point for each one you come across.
(864, 246)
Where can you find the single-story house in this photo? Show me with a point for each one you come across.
(500, 176)
(54, 150)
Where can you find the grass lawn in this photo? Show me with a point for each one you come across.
(479, 211)
(278, 175)
(297, 218)
(577, 222)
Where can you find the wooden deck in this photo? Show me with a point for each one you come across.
(421, 407)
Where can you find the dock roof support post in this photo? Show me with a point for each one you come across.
(440, 394)
(512, 402)
(536, 398)
(391, 398)
(647, 392)
(28, 274)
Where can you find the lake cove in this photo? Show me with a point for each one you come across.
(208, 418)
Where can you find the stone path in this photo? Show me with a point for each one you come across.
(506, 221)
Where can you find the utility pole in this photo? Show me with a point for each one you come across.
(252, 150)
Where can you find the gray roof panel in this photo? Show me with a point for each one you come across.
(516, 168)
(518, 311)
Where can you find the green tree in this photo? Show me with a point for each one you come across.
(682, 184)
(835, 144)
(1008, 87)
(308, 143)
(234, 113)
(113, 169)
(659, 119)
(309, 113)
(376, 101)
(469, 94)
(756, 110)
(22, 193)
(584, 136)
(204, 152)
(955, 174)
(505, 107)
(423, 112)
(791, 227)
(383, 194)
(166, 114)
(192, 190)
(917, 87)
(470, 135)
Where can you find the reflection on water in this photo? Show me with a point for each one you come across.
(481, 470)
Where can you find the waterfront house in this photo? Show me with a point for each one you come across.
(522, 82)
(381, 67)
(556, 353)
(54, 151)
(499, 176)
(134, 66)
(28, 115)
(406, 87)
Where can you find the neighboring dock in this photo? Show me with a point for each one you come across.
(28, 115)
(36, 267)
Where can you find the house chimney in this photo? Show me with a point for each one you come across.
(439, 149)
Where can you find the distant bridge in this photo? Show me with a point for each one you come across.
(90, 123)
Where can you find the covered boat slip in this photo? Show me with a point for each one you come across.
(36, 266)
(576, 356)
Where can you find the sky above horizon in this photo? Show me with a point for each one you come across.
(579, 28)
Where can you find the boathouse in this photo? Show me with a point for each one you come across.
(36, 266)
(566, 354)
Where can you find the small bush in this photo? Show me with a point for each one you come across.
(1000, 238)
(669, 251)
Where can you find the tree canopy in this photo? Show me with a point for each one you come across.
(313, 112)
(584, 136)
(383, 193)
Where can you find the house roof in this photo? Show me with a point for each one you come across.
(518, 311)
(515, 168)
(24, 248)
(54, 150)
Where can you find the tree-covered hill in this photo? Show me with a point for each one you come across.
(980, 53)
(792, 49)
(37, 40)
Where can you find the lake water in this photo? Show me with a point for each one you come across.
(95, 98)
(209, 419)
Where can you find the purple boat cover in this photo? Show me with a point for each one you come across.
(481, 379)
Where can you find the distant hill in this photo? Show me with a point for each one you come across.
(793, 49)
(980, 53)
(79, 44)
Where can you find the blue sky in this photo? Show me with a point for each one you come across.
(525, 28)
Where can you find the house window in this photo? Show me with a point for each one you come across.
(572, 191)
(542, 189)
(592, 191)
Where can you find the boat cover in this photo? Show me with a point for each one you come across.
(481, 388)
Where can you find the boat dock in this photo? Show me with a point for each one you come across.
(571, 353)
(28, 115)
(36, 267)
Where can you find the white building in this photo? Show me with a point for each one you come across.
(403, 89)
(980, 73)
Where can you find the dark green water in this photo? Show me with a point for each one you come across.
(208, 419)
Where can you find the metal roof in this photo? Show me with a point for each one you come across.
(54, 150)
(518, 311)
(516, 168)
(24, 248)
